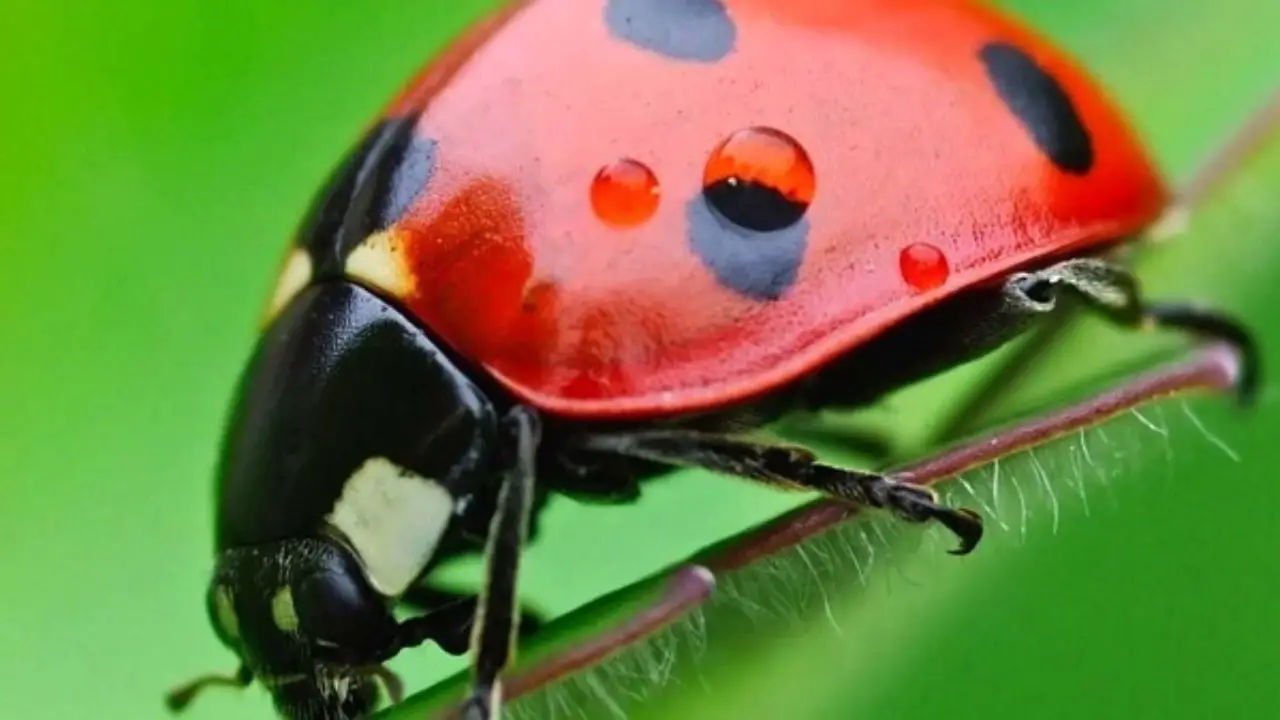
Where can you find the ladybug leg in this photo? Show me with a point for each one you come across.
(1113, 291)
(455, 611)
(791, 467)
(497, 616)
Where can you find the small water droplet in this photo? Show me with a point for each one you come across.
(923, 266)
(625, 193)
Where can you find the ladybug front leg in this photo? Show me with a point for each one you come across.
(793, 468)
(1112, 290)
(1107, 287)
(496, 623)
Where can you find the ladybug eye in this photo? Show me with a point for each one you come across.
(759, 179)
(624, 193)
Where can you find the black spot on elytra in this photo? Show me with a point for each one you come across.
(691, 30)
(1041, 105)
(376, 183)
(761, 265)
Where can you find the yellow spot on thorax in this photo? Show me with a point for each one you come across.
(379, 261)
(294, 276)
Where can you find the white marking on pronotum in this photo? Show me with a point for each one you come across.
(393, 518)
(293, 277)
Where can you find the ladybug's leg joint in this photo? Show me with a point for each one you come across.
(496, 623)
(179, 698)
(913, 503)
(792, 468)
(1112, 290)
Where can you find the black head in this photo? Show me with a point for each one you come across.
(306, 624)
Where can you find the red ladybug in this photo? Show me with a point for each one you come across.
(598, 239)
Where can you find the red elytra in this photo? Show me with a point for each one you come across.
(932, 122)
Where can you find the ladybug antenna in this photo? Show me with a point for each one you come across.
(180, 697)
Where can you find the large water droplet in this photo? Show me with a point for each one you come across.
(760, 179)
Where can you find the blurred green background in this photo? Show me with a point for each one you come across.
(155, 156)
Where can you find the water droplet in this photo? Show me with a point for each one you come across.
(923, 266)
(759, 178)
(624, 193)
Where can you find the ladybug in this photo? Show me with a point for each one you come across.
(595, 240)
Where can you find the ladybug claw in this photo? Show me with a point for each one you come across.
(966, 524)
(920, 504)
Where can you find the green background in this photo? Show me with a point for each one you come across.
(154, 156)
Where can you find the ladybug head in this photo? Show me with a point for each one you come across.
(306, 624)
